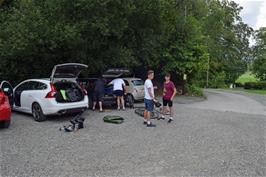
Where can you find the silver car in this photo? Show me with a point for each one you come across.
(134, 88)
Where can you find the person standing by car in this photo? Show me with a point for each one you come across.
(149, 98)
(98, 93)
(169, 92)
(119, 91)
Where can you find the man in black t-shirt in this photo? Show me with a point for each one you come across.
(98, 93)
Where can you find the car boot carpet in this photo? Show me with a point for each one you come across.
(113, 119)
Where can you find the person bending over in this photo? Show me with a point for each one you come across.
(119, 91)
(98, 93)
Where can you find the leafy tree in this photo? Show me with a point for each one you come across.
(259, 50)
(179, 36)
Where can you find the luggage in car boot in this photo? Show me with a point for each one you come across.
(72, 96)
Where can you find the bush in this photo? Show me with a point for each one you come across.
(193, 90)
(246, 77)
(255, 85)
(217, 81)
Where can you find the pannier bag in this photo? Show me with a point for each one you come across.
(76, 123)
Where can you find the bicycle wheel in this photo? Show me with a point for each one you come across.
(140, 111)
(154, 115)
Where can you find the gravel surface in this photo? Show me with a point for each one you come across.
(258, 97)
(200, 142)
(230, 102)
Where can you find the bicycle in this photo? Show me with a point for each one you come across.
(156, 114)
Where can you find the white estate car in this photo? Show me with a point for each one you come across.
(58, 95)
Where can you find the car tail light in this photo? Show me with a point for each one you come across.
(52, 93)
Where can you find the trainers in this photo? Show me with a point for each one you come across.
(80, 125)
(162, 117)
(145, 123)
(170, 120)
(151, 125)
(70, 128)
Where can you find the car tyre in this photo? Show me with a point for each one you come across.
(38, 113)
(6, 123)
(130, 101)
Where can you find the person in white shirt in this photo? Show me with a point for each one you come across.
(149, 99)
(119, 90)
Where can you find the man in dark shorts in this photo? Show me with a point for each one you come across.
(119, 91)
(98, 93)
(169, 92)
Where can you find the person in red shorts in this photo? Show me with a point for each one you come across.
(169, 92)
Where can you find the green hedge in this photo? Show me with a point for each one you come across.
(255, 85)
(194, 90)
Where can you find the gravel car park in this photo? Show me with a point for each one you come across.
(207, 138)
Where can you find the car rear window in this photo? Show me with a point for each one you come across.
(138, 82)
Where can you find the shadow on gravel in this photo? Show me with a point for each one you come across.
(23, 114)
(62, 118)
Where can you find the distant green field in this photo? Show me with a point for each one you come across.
(262, 92)
(247, 77)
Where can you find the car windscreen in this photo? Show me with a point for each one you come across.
(138, 82)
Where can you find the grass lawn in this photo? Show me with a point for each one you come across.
(247, 77)
(261, 92)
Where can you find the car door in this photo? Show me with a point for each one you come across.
(138, 86)
(19, 92)
(35, 92)
(27, 96)
(8, 90)
(127, 87)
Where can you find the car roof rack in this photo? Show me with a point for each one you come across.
(116, 72)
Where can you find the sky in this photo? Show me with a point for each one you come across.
(254, 12)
